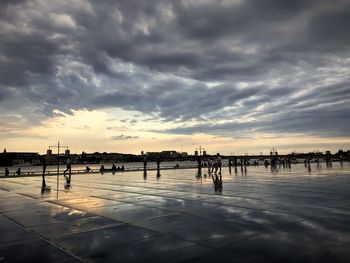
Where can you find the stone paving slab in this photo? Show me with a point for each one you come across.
(288, 215)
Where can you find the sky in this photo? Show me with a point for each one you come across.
(234, 76)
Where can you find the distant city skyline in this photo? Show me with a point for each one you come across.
(125, 76)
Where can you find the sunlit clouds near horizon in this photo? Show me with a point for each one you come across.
(125, 76)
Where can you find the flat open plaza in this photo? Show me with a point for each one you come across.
(285, 215)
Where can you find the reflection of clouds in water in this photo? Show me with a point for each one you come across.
(77, 212)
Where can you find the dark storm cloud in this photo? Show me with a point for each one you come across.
(176, 99)
(257, 66)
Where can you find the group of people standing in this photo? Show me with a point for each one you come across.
(113, 169)
(214, 164)
(18, 171)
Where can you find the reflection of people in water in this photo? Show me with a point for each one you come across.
(199, 174)
(217, 181)
(309, 168)
(274, 170)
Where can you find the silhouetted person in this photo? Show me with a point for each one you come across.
(114, 168)
(7, 172)
(69, 170)
(123, 168)
(43, 161)
(144, 164)
(218, 163)
(266, 163)
(210, 165)
(274, 162)
(158, 167)
(19, 172)
(87, 169)
(102, 168)
(199, 163)
(69, 167)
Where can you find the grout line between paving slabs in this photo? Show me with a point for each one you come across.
(42, 238)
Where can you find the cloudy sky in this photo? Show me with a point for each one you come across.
(234, 76)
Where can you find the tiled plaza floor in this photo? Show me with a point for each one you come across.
(289, 215)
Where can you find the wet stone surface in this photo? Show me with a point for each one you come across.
(291, 215)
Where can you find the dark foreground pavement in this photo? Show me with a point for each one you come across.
(288, 215)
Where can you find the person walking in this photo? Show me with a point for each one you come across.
(218, 163)
(69, 170)
(69, 167)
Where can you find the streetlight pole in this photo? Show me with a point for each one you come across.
(58, 161)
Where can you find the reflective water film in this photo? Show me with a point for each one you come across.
(249, 214)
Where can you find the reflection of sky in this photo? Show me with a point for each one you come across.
(287, 211)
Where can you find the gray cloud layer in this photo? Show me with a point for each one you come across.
(219, 67)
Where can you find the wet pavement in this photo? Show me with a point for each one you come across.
(288, 215)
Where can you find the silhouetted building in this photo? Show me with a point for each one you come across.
(165, 155)
(15, 158)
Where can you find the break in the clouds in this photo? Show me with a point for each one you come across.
(226, 68)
